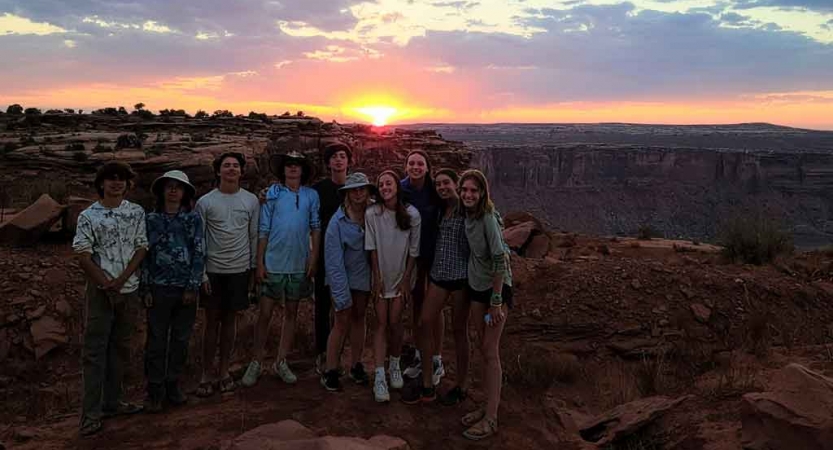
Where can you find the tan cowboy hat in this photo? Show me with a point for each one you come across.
(177, 175)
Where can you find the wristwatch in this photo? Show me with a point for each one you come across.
(497, 299)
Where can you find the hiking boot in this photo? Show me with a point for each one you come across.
(415, 369)
(439, 373)
(454, 396)
(281, 369)
(358, 375)
(396, 381)
(380, 388)
(330, 381)
(252, 374)
(419, 395)
(153, 405)
(121, 409)
(174, 394)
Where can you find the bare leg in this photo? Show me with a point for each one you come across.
(490, 348)
(397, 330)
(209, 343)
(338, 333)
(290, 317)
(418, 297)
(380, 337)
(229, 329)
(430, 321)
(358, 327)
(460, 322)
(264, 317)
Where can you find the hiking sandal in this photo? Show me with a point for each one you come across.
(227, 385)
(205, 389)
(90, 427)
(473, 417)
(483, 429)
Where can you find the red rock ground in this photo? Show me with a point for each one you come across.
(598, 323)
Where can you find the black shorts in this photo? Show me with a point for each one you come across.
(229, 292)
(450, 285)
(485, 297)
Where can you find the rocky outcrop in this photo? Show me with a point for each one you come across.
(28, 225)
(795, 412)
(627, 419)
(291, 435)
(63, 161)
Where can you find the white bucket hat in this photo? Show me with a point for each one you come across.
(177, 175)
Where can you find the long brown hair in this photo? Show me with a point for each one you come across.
(403, 219)
(484, 205)
(452, 174)
(429, 180)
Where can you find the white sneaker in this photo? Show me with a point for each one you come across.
(380, 389)
(439, 373)
(282, 370)
(415, 369)
(396, 381)
(252, 374)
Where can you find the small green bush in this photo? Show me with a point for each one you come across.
(754, 240)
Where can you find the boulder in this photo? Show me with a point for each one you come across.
(28, 225)
(291, 435)
(625, 420)
(538, 246)
(796, 412)
(519, 217)
(47, 334)
(516, 237)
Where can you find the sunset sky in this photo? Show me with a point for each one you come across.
(645, 61)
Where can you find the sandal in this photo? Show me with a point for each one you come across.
(227, 385)
(90, 427)
(483, 429)
(205, 389)
(473, 417)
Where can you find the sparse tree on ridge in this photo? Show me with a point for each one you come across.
(69, 110)
(139, 106)
(201, 114)
(15, 109)
(122, 111)
(32, 112)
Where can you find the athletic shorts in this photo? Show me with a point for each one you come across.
(485, 297)
(229, 292)
(450, 285)
(287, 287)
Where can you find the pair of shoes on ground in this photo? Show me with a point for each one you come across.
(279, 368)
(415, 371)
(207, 388)
(157, 394)
(331, 378)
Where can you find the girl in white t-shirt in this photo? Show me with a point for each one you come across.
(392, 237)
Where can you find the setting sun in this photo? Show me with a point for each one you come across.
(380, 115)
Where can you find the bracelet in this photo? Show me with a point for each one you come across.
(497, 299)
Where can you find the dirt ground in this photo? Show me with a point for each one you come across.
(598, 322)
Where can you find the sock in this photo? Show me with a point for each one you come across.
(416, 355)
(394, 362)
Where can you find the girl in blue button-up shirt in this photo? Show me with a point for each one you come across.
(347, 269)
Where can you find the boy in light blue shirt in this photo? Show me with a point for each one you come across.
(289, 240)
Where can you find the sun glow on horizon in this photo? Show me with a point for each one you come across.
(379, 115)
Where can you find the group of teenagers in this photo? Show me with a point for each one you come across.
(426, 240)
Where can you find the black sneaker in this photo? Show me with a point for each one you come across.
(330, 381)
(174, 394)
(454, 396)
(358, 375)
(419, 395)
(414, 370)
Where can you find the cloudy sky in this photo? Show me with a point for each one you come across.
(648, 61)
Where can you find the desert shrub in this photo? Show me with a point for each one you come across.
(734, 381)
(101, 148)
(155, 150)
(537, 369)
(128, 141)
(144, 114)
(80, 156)
(32, 112)
(15, 109)
(201, 114)
(645, 233)
(651, 377)
(754, 240)
(8, 147)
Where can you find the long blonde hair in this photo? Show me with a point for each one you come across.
(484, 205)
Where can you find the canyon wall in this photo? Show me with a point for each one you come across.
(678, 192)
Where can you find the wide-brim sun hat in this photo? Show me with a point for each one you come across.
(278, 162)
(357, 180)
(176, 175)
